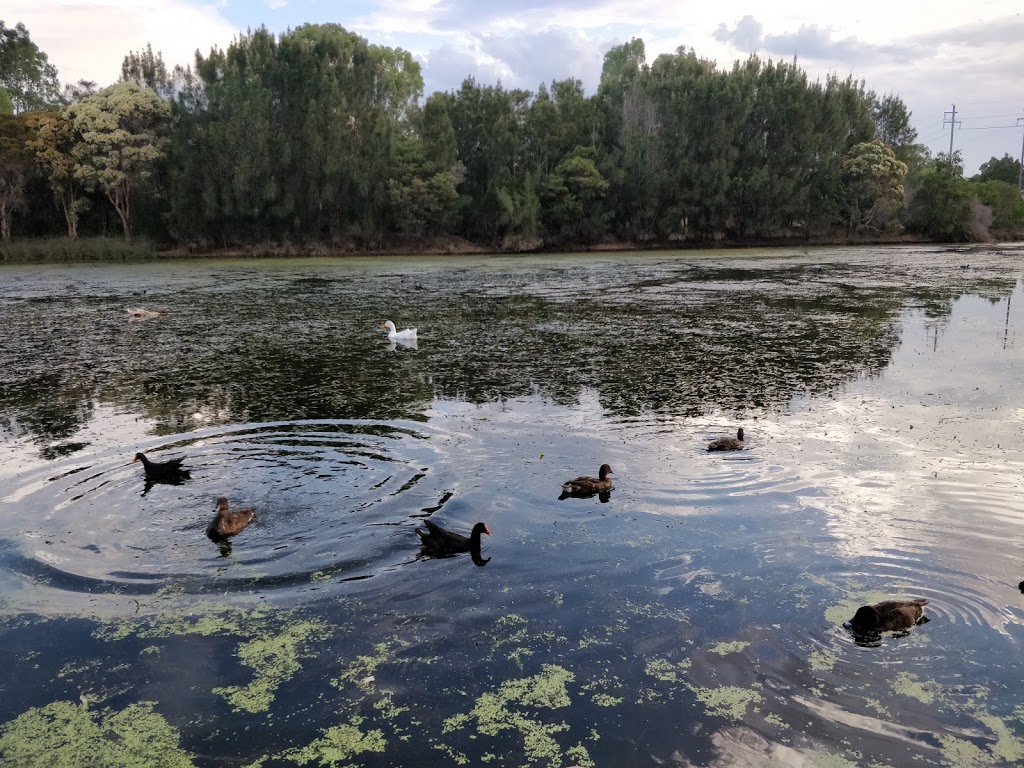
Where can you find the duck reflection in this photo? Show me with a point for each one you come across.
(175, 480)
(603, 496)
(395, 343)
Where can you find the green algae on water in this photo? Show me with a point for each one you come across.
(906, 684)
(736, 646)
(666, 671)
(275, 659)
(822, 661)
(339, 745)
(361, 671)
(65, 735)
(729, 701)
(508, 709)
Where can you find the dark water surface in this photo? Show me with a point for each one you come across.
(694, 618)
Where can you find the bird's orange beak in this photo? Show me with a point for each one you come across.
(487, 530)
(136, 458)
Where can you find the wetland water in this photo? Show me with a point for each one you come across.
(693, 618)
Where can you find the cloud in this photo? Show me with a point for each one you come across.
(276, 4)
(747, 35)
(89, 39)
(519, 60)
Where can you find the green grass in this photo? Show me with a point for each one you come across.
(57, 249)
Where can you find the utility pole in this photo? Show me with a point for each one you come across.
(1020, 171)
(953, 123)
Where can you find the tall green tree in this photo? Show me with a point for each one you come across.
(874, 178)
(54, 145)
(122, 137)
(26, 72)
(16, 164)
(1005, 168)
(573, 198)
(147, 70)
(940, 206)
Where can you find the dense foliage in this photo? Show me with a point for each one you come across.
(318, 136)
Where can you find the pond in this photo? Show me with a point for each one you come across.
(693, 616)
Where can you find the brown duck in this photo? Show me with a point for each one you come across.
(889, 615)
(439, 541)
(228, 523)
(728, 443)
(587, 485)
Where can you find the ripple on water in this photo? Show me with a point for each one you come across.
(334, 501)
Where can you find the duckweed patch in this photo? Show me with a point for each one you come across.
(822, 661)
(275, 659)
(63, 734)
(666, 671)
(512, 707)
(606, 700)
(339, 745)
(736, 646)
(1007, 747)
(906, 684)
(361, 672)
(729, 701)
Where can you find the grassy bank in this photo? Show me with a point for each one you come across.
(60, 249)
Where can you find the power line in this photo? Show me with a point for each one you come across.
(989, 127)
(953, 123)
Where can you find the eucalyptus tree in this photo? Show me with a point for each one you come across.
(26, 73)
(54, 145)
(121, 138)
(874, 180)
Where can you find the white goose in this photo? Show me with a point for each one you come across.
(393, 333)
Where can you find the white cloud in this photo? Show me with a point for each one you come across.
(87, 39)
(276, 4)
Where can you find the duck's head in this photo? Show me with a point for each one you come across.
(139, 457)
(604, 471)
(866, 617)
(389, 325)
(222, 504)
(480, 528)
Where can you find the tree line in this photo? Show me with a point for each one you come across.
(317, 135)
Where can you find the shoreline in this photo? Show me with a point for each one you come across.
(59, 250)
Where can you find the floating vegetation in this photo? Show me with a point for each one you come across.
(66, 735)
(605, 700)
(361, 672)
(339, 745)
(275, 659)
(906, 684)
(736, 646)
(822, 661)
(666, 671)
(729, 701)
(513, 708)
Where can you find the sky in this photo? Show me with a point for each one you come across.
(931, 53)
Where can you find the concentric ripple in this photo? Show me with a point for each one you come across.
(333, 502)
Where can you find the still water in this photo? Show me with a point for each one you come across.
(693, 617)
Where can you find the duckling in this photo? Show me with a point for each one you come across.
(889, 615)
(584, 485)
(438, 541)
(728, 443)
(228, 523)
